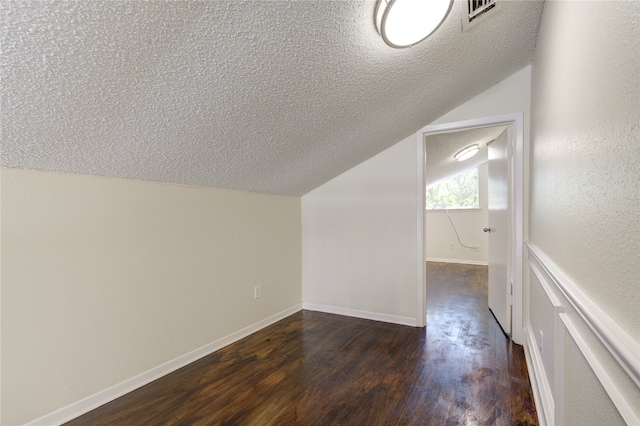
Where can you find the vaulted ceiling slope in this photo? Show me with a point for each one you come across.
(266, 96)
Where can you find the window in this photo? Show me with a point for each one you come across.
(457, 192)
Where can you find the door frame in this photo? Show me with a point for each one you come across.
(517, 196)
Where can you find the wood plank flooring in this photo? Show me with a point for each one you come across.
(320, 369)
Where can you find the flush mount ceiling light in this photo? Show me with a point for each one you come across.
(403, 23)
(466, 153)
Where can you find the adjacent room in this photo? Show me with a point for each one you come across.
(241, 186)
(457, 195)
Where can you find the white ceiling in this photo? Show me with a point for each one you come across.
(267, 96)
(441, 147)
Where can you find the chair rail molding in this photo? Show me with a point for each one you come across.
(622, 346)
(565, 317)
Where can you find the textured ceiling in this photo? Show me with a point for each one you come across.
(440, 148)
(267, 96)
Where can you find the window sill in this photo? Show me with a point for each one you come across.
(458, 209)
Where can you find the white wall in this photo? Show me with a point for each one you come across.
(439, 234)
(586, 151)
(512, 94)
(359, 230)
(359, 240)
(584, 218)
(103, 279)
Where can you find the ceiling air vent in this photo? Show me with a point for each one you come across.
(474, 11)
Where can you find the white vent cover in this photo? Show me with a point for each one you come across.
(474, 11)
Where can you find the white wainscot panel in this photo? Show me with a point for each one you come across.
(541, 340)
(575, 353)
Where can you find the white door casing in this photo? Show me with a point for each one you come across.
(516, 215)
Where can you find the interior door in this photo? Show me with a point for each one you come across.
(499, 230)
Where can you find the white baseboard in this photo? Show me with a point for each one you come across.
(539, 384)
(466, 262)
(96, 400)
(375, 316)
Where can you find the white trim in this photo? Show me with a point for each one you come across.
(544, 283)
(517, 121)
(622, 346)
(454, 209)
(548, 407)
(96, 400)
(625, 410)
(421, 244)
(559, 369)
(543, 396)
(463, 261)
(375, 316)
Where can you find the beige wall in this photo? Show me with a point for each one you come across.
(584, 212)
(103, 279)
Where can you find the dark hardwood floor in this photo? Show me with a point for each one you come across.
(320, 369)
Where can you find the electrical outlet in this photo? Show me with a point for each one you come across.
(452, 245)
(541, 342)
(475, 247)
(257, 292)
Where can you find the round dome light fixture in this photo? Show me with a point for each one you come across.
(403, 23)
(466, 153)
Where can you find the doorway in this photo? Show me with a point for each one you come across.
(515, 212)
(466, 222)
